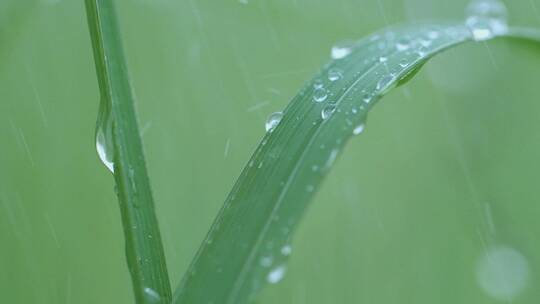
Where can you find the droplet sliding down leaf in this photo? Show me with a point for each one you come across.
(243, 250)
(120, 148)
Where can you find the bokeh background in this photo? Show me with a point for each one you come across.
(437, 202)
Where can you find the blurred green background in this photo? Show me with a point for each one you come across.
(437, 202)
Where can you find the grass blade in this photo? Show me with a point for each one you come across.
(247, 246)
(144, 250)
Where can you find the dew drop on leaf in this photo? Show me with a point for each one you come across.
(286, 250)
(266, 261)
(403, 63)
(359, 129)
(104, 136)
(272, 121)
(320, 95)
(327, 111)
(318, 84)
(486, 19)
(403, 44)
(276, 274)
(151, 295)
(334, 74)
(342, 49)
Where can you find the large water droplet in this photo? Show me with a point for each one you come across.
(320, 95)
(272, 121)
(276, 274)
(502, 272)
(104, 135)
(486, 19)
(327, 111)
(342, 49)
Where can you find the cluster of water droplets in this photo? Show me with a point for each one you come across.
(276, 264)
(486, 19)
(386, 70)
(397, 55)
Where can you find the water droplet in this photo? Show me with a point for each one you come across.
(331, 158)
(286, 250)
(425, 42)
(315, 168)
(152, 295)
(266, 261)
(318, 84)
(403, 63)
(367, 98)
(502, 272)
(272, 121)
(328, 111)
(486, 19)
(320, 95)
(104, 135)
(403, 44)
(359, 129)
(383, 59)
(422, 51)
(310, 188)
(334, 74)
(384, 84)
(342, 49)
(276, 274)
(433, 35)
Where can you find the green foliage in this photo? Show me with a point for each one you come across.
(249, 242)
(144, 251)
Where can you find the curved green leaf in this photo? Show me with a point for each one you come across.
(247, 245)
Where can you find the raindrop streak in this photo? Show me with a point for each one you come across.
(359, 129)
(104, 136)
(486, 19)
(276, 274)
(272, 121)
(320, 94)
(328, 111)
(502, 272)
(341, 50)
